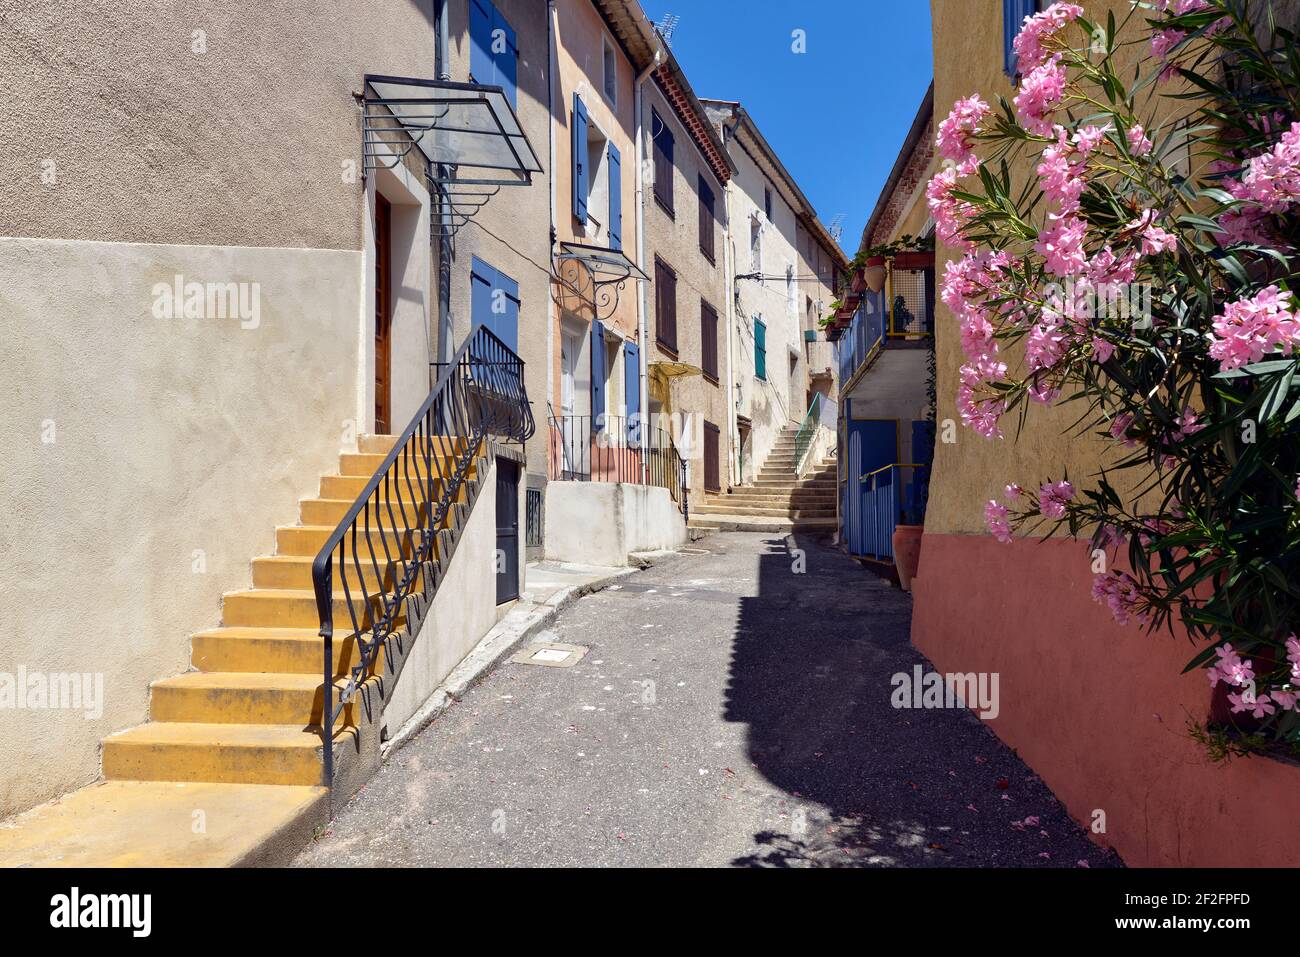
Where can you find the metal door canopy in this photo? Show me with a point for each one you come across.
(467, 132)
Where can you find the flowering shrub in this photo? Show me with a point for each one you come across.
(1143, 271)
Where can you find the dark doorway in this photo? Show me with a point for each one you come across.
(383, 314)
(507, 530)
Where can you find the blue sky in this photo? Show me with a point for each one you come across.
(836, 114)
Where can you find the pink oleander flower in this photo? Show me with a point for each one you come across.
(1120, 592)
(1293, 656)
(1013, 493)
(1231, 668)
(1062, 246)
(954, 139)
(1162, 41)
(949, 213)
(1060, 174)
(1284, 699)
(1272, 179)
(1138, 144)
(1249, 329)
(1154, 239)
(979, 415)
(1260, 707)
(1187, 424)
(1029, 42)
(1052, 498)
(1246, 224)
(995, 517)
(1040, 92)
(1041, 391)
(1045, 344)
(1102, 349)
(1088, 138)
(1120, 426)
(1179, 7)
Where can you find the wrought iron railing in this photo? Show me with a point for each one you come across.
(618, 448)
(803, 440)
(891, 498)
(385, 544)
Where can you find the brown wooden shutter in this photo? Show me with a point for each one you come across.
(709, 340)
(707, 216)
(665, 306)
(712, 472)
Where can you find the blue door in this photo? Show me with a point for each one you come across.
(870, 517)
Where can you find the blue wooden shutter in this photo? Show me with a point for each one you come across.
(507, 60)
(507, 321)
(615, 199)
(481, 66)
(494, 302)
(579, 158)
(632, 383)
(760, 349)
(1013, 17)
(598, 373)
(482, 278)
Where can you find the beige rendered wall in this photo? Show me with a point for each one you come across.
(971, 470)
(512, 232)
(580, 69)
(149, 460)
(778, 401)
(153, 457)
(676, 239)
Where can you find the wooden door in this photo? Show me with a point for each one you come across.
(383, 315)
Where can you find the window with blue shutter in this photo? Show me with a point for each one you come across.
(493, 53)
(1013, 18)
(760, 349)
(615, 199)
(598, 374)
(579, 159)
(494, 302)
(632, 390)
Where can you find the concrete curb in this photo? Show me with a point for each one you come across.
(514, 629)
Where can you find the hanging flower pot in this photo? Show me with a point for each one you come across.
(907, 552)
(859, 281)
(873, 273)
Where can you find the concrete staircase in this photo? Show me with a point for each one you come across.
(777, 500)
(247, 716)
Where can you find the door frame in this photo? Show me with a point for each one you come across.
(383, 226)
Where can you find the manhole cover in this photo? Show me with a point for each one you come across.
(552, 654)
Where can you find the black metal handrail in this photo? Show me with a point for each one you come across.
(616, 448)
(376, 554)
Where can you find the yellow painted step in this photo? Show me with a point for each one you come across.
(293, 572)
(221, 753)
(350, 486)
(272, 650)
(383, 444)
(292, 608)
(237, 698)
(310, 539)
(151, 824)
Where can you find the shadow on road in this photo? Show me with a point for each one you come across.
(870, 784)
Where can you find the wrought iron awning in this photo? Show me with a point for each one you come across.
(467, 135)
(594, 276)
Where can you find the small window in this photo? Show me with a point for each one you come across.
(663, 161)
(707, 219)
(611, 73)
(756, 247)
(709, 341)
(665, 306)
(760, 349)
(767, 202)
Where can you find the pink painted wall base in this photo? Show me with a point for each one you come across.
(1097, 709)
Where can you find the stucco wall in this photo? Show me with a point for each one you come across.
(778, 401)
(149, 460)
(600, 523)
(676, 239)
(511, 233)
(241, 145)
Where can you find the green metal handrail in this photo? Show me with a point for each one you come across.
(804, 440)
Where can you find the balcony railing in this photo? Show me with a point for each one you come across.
(615, 448)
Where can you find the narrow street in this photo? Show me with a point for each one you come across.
(733, 710)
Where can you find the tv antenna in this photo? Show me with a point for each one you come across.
(836, 227)
(667, 25)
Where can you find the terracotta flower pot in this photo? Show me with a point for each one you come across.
(873, 273)
(859, 281)
(907, 552)
(916, 260)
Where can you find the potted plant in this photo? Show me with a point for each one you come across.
(907, 545)
(873, 273)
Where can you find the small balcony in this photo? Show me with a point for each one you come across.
(615, 448)
(899, 316)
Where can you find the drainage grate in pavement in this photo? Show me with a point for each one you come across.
(552, 654)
